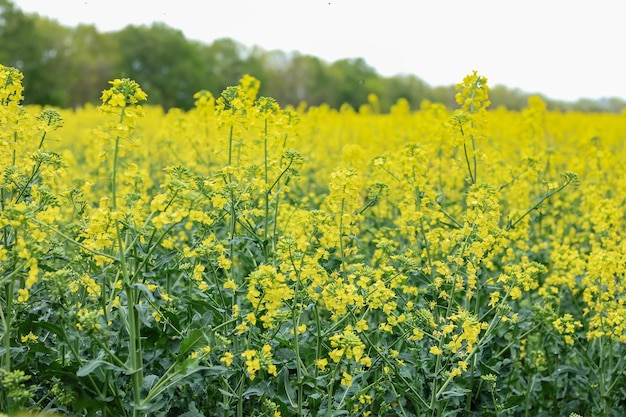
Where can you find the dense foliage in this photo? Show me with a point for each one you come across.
(66, 67)
(241, 259)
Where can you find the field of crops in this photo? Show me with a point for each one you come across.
(241, 259)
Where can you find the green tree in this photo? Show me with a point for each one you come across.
(93, 61)
(224, 59)
(410, 87)
(348, 80)
(163, 62)
(37, 46)
(301, 78)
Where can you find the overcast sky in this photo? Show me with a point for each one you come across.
(565, 49)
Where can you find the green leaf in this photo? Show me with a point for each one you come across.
(94, 364)
(226, 393)
(193, 411)
(286, 392)
(253, 391)
(457, 392)
(142, 287)
(195, 338)
(216, 370)
(58, 330)
(514, 401)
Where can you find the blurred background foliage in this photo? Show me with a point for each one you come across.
(67, 66)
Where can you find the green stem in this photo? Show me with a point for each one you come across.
(111, 354)
(135, 348)
(296, 342)
(170, 378)
(329, 395)
(602, 365)
(72, 241)
(233, 224)
(474, 158)
(469, 168)
(151, 250)
(472, 111)
(280, 176)
(267, 194)
(233, 219)
(544, 198)
(33, 173)
(343, 258)
(495, 401)
(7, 323)
(409, 385)
(275, 225)
(296, 347)
(396, 395)
(115, 163)
(31, 179)
(14, 159)
(230, 148)
(134, 324)
(240, 396)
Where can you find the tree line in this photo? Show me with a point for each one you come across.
(69, 66)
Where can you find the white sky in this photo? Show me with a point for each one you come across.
(565, 49)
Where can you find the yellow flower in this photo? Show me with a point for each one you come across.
(435, 350)
(242, 328)
(417, 335)
(361, 326)
(366, 361)
(227, 359)
(321, 363)
(223, 262)
(30, 337)
(336, 355)
(157, 316)
(473, 93)
(346, 380)
(197, 272)
(22, 295)
(219, 201)
(230, 285)
(116, 100)
(494, 297)
(516, 293)
(123, 92)
(385, 327)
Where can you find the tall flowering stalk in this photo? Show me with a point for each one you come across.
(473, 96)
(122, 99)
